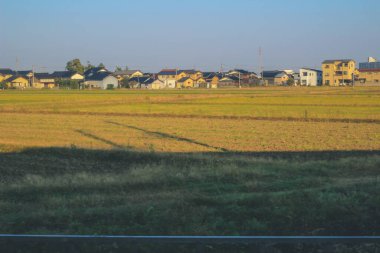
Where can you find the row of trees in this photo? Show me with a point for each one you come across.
(75, 65)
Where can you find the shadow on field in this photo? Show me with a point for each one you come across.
(79, 191)
(169, 136)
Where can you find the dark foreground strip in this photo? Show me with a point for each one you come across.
(200, 239)
(163, 115)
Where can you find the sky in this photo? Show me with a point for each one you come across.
(202, 34)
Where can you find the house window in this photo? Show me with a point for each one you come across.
(345, 73)
(304, 74)
(327, 66)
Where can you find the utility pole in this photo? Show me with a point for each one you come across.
(239, 81)
(261, 70)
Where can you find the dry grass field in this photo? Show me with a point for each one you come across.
(277, 119)
(264, 161)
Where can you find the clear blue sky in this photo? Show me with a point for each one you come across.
(153, 34)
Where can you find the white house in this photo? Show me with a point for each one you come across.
(102, 80)
(310, 77)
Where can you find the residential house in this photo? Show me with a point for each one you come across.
(338, 72)
(186, 82)
(101, 79)
(17, 81)
(193, 74)
(310, 77)
(369, 72)
(241, 73)
(95, 70)
(212, 79)
(275, 77)
(127, 74)
(201, 83)
(67, 75)
(43, 80)
(229, 82)
(5, 74)
(140, 82)
(157, 84)
(169, 77)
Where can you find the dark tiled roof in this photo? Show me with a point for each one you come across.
(188, 71)
(342, 60)
(126, 72)
(6, 71)
(141, 79)
(168, 72)
(24, 72)
(241, 71)
(63, 74)
(11, 79)
(95, 70)
(272, 73)
(369, 70)
(99, 76)
(42, 76)
(183, 79)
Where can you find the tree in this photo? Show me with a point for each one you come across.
(118, 69)
(75, 65)
(89, 66)
(290, 82)
(101, 65)
(126, 68)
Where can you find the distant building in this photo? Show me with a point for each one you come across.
(369, 72)
(169, 77)
(43, 80)
(17, 81)
(275, 77)
(66, 75)
(338, 72)
(95, 70)
(310, 77)
(101, 79)
(128, 74)
(157, 84)
(229, 82)
(143, 82)
(5, 74)
(186, 82)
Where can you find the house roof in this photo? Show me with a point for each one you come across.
(42, 76)
(272, 73)
(168, 72)
(95, 70)
(341, 60)
(63, 74)
(183, 79)
(11, 79)
(188, 71)
(24, 72)
(6, 71)
(142, 79)
(99, 76)
(126, 72)
(230, 78)
(369, 70)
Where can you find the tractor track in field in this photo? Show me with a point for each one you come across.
(190, 116)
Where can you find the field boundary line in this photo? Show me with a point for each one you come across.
(191, 116)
